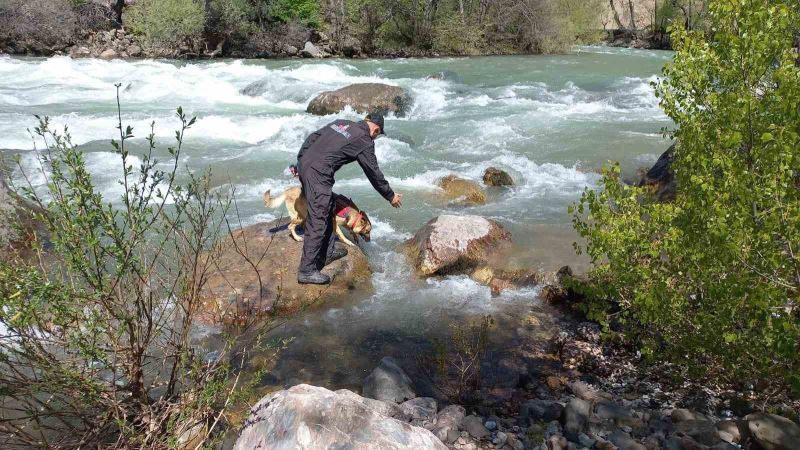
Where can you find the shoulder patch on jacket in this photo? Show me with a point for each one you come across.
(342, 129)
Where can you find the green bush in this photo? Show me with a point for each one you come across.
(167, 23)
(304, 11)
(712, 279)
(95, 346)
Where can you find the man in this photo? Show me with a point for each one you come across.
(322, 154)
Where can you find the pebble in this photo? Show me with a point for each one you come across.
(491, 425)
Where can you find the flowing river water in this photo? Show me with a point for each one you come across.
(549, 121)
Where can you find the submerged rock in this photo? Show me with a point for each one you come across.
(496, 177)
(363, 98)
(237, 292)
(388, 382)
(461, 191)
(455, 244)
(313, 418)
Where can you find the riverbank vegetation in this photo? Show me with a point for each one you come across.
(97, 348)
(266, 27)
(711, 280)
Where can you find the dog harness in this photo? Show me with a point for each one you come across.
(342, 209)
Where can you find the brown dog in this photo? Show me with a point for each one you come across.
(346, 212)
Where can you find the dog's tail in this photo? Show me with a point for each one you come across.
(273, 202)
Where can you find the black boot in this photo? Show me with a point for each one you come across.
(315, 277)
(335, 255)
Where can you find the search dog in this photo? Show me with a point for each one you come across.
(345, 212)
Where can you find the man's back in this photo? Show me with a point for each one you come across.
(334, 145)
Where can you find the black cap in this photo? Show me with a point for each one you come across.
(377, 119)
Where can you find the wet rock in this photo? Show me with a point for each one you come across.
(624, 441)
(660, 177)
(236, 293)
(445, 75)
(460, 191)
(496, 177)
(449, 421)
(540, 411)
(310, 417)
(575, 417)
(421, 411)
(474, 426)
(388, 382)
(363, 98)
(774, 432)
(455, 244)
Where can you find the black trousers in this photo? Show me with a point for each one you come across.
(318, 241)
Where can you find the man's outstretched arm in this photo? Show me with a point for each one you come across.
(369, 164)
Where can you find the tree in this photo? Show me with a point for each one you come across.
(712, 279)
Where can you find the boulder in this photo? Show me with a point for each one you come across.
(575, 417)
(496, 177)
(448, 422)
(135, 51)
(774, 432)
(363, 98)
(537, 410)
(420, 411)
(475, 427)
(351, 47)
(460, 191)
(388, 382)
(290, 50)
(313, 418)
(255, 274)
(311, 51)
(660, 177)
(455, 244)
(108, 53)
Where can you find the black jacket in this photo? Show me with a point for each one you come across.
(342, 142)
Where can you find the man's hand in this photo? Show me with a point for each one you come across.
(397, 200)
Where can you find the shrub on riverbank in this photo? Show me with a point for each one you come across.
(711, 280)
(167, 23)
(95, 347)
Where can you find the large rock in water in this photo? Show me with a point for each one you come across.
(363, 98)
(661, 178)
(455, 244)
(461, 191)
(237, 292)
(388, 383)
(496, 177)
(313, 418)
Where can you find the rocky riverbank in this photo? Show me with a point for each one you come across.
(575, 392)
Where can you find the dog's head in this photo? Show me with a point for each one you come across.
(359, 224)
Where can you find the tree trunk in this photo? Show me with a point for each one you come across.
(633, 16)
(117, 8)
(616, 15)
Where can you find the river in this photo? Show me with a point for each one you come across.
(548, 120)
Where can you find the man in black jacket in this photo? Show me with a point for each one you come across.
(323, 153)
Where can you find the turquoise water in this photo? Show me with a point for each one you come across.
(547, 120)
